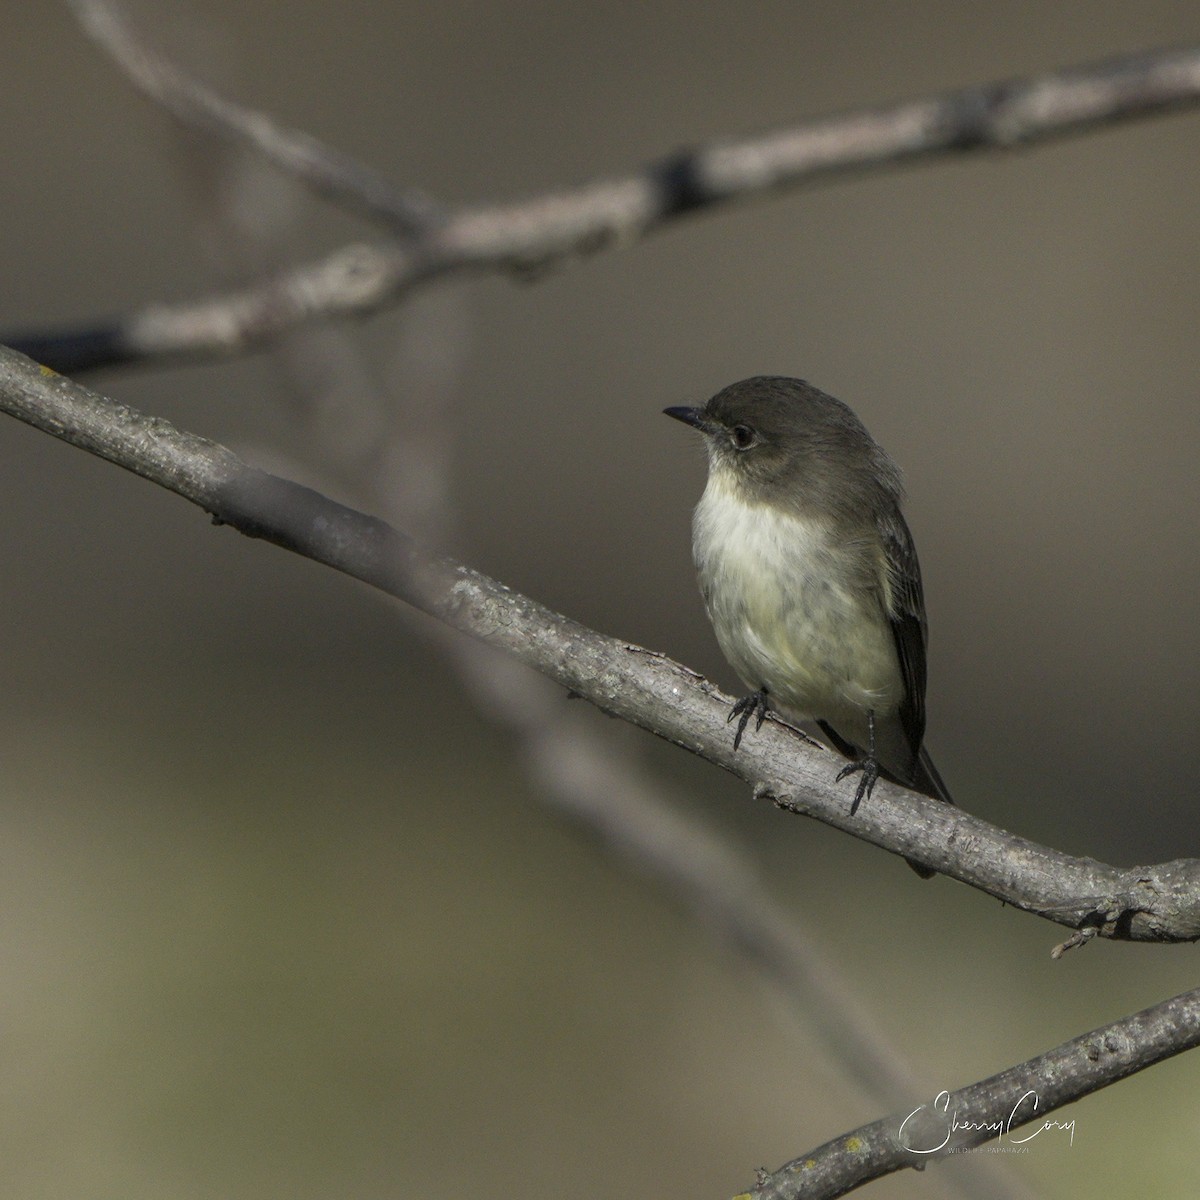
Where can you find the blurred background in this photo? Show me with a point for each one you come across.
(283, 913)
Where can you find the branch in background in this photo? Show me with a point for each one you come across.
(1155, 903)
(546, 230)
(326, 171)
(1008, 1101)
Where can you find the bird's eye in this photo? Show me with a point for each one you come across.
(743, 437)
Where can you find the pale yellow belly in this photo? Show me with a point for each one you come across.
(794, 612)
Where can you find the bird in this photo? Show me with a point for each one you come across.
(810, 577)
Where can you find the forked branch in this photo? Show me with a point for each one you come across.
(547, 230)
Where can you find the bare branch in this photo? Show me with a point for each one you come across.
(1000, 1104)
(1153, 903)
(547, 230)
(324, 170)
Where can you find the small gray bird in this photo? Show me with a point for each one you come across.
(810, 576)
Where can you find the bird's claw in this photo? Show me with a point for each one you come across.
(869, 767)
(745, 708)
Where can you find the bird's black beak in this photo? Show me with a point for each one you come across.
(689, 416)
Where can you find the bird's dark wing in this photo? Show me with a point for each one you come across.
(907, 615)
(911, 636)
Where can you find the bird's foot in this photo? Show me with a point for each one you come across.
(745, 708)
(869, 766)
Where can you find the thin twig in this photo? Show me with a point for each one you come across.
(1153, 903)
(326, 171)
(993, 1107)
(548, 230)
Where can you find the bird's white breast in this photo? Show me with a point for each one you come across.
(787, 600)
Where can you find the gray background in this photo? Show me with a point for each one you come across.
(282, 915)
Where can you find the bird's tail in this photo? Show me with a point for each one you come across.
(927, 781)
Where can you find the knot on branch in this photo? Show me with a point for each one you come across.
(1162, 903)
(1147, 904)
